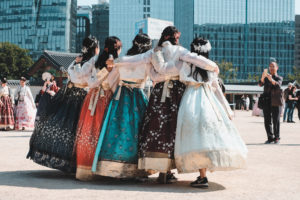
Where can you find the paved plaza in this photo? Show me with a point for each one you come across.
(273, 173)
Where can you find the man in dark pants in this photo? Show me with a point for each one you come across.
(298, 103)
(271, 105)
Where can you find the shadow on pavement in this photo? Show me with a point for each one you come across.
(56, 180)
(16, 136)
(258, 144)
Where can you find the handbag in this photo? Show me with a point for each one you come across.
(277, 96)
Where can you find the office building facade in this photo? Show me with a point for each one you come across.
(83, 25)
(39, 25)
(124, 14)
(297, 41)
(244, 32)
(100, 26)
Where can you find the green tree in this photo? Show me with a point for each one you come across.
(295, 76)
(252, 78)
(227, 72)
(14, 61)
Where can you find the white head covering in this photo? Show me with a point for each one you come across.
(203, 48)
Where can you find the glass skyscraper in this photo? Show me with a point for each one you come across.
(38, 25)
(297, 41)
(244, 32)
(100, 26)
(124, 14)
(83, 26)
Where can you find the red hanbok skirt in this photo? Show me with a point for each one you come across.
(6, 113)
(88, 130)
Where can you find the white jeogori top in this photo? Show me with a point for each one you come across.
(167, 62)
(175, 57)
(4, 91)
(80, 74)
(185, 71)
(89, 75)
(137, 68)
(23, 92)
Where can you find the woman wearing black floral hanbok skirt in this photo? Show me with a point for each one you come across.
(52, 141)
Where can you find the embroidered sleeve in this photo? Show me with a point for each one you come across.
(139, 59)
(163, 67)
(84, 70)
(198, 61)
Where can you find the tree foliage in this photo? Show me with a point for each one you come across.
(227, 72)
(295, 76)
(14, 61)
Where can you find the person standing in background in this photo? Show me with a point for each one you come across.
(271, 106)
(243, 102)
(286, 95)
(6, 107)
(298, 103)
(247, 102)
(292, 100)
(25, 107)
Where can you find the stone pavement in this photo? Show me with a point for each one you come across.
(273, 173)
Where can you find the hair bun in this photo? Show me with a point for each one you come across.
(201, 45)
(3, 80)
(88, 43)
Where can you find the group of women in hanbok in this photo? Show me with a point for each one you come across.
(114, 130)
(17, 111)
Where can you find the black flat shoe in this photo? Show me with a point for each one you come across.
(200, 182)
(171, 178)
(268, 141)
(165, 178)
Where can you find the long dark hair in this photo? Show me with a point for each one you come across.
(89, 45)
(111, 47)
(198, 42)
(140, 44)
(168, 35)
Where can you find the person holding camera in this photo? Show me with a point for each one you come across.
(272, 100)
(43, 99)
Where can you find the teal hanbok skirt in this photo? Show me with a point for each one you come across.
(117, 150)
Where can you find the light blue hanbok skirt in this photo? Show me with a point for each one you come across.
(205, 136)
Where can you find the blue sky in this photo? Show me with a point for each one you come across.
(90, 2)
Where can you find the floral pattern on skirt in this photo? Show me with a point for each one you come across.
(6, 113)
(25, 114)
(157, 138)
(117, 150)
(88, 130)
(52, 141)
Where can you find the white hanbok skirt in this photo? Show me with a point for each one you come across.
(25, 114)
(205, 136)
